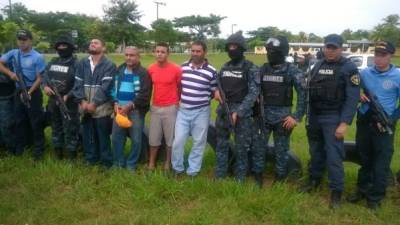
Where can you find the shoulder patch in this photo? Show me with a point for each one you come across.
(355, 79)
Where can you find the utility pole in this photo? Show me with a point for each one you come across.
(157, 4)
(10, 11)
(232, 27)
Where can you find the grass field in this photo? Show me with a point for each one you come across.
(53, 192)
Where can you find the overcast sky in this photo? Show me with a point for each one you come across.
(318, 16)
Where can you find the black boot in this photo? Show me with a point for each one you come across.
(355, 197)
(311, 185)
(279, 178)
(58, 153)
(336, 197)
(259, 179)
(72, 155)
(373, 205)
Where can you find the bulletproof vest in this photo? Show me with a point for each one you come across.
(327, 87)
(62, 73)
(276, 86)
(234, 80)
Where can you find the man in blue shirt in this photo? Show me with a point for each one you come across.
(32, 64)
(375, 145)
(132, 94)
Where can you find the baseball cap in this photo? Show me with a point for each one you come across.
(24, 34)
(385, 46)
(334, 39)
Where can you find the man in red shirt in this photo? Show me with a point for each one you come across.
(166, 78)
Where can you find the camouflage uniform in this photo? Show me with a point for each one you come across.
(61, 72)
(243, 127)
(274, 116)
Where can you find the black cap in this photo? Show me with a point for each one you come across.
(385, 46)
(24, 34)
(334, 39)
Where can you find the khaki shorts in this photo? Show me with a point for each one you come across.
(162, 123)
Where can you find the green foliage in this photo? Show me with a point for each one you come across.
(389, 30)
(121, 18)
(200, 27)
(163, 31)
(43, 47)
(110, 46)
(7, 34)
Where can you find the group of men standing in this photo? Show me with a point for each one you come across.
(254, 104)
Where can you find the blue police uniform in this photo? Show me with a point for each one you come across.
(31, 63)
(375, 146)
(333, 99)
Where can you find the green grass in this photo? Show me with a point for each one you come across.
(53, 192)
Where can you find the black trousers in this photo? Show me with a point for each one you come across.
(376, 151)
(29, 124)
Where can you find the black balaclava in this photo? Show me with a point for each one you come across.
(275, 57)
(65, 52)
(277, 50)
(236, 54)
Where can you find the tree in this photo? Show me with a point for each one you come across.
(163, 31)
(7, 35)
(200, 27)
(263, 33)
(389, 30)
(122, 18)
(19, 13)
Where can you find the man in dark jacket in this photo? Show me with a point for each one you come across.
(132, 93)
(59, 78)
(92, 90)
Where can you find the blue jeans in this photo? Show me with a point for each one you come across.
(7, 123)
(96, 140)
(119, 139)
(195, 123)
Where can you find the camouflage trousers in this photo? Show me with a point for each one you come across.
(281, 138)
(258, 147)
(241, 146)
(65, 134)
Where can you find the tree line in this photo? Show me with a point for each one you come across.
(120, 27)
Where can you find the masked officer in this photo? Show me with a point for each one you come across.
(237, 83)
(59, 78)
(333, 97)
(277, 81)
(375, 144)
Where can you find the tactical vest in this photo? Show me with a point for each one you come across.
(234, 80)
(276, 86)
(327, 87)
(62, 73)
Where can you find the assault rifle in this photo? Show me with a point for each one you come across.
(380, 116)
(25, 98)
(59, 99)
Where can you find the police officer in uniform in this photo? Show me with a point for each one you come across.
(61, 72)
(333, 98)
(373, 141)
(277, 81)
(237, 79)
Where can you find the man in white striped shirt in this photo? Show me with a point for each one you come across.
(198, 87)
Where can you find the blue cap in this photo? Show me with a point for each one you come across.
(334, 39)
